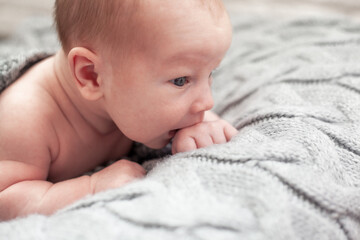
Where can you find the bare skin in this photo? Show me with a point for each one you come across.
(71, 112)
(57, 144)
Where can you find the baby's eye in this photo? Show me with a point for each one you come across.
(180, 82)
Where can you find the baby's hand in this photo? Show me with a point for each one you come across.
(116, 175)
(213, 130)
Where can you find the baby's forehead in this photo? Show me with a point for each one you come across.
(98, 22)
(212, 6)
(152, 20)
(162, 12)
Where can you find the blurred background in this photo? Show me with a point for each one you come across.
(13, 12)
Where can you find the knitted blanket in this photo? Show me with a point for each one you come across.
(292, 88)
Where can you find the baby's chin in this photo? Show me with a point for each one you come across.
(161, 142)
(157, 144)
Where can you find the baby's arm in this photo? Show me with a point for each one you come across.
(213, 130)
(24, 190)
(30, 193)
(26, 140)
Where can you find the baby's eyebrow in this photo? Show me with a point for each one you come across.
(181, 55)
(186, 56)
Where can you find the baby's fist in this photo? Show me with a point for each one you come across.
(116, 175)
(202, 135)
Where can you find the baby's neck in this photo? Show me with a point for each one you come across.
(65, 87)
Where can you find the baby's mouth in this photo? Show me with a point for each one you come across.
(172, 133)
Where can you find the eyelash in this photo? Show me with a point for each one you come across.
(186, 80)
(213, 71)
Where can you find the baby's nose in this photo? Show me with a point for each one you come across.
(204, 102)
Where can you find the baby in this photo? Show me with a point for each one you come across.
(128, 70)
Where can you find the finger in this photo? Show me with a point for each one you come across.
(141, 170)
(130, 166)
(203, 141)
(183, 145)
(218, 136)
(139, 167)
(230, 131)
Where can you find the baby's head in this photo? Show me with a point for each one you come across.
(114, 24)
(94, 23)
(149, 62)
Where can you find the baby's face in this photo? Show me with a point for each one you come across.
(165, 83)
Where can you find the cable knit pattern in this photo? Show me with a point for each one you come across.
(292, 88)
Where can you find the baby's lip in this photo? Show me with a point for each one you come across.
(174, 131)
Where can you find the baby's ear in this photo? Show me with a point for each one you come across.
(83, 65)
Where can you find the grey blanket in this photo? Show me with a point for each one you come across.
(292, 88)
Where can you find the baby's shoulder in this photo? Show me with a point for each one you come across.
(26, 132)
(28, 96)
(24, 101)
(25, 110)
